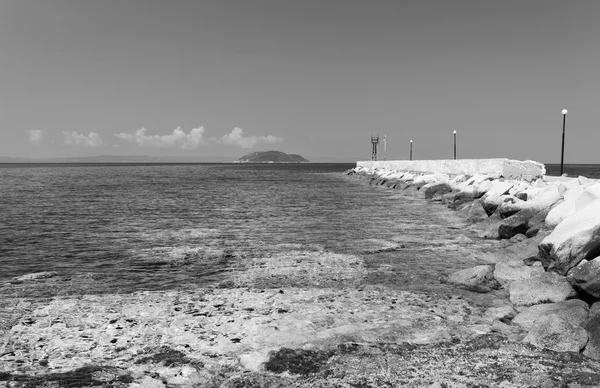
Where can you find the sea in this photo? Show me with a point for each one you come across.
(121, 228)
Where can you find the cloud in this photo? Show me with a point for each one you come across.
(92, 139)
(176, 139)
(237, 138)
(35, 136)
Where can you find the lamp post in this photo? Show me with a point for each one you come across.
(454, 144)
(562, 148)
(411, 150)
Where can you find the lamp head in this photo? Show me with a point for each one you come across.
(564, 111)
(455, 132)
(411, 141)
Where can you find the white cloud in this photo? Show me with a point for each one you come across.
(176, 139)
(92, 139)
(237, 138)
(35, 136)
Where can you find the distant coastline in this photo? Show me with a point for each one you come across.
(105, 159)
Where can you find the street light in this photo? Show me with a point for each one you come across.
(411, 150)
(454, 144)
(562, 149)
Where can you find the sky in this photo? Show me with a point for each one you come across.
(312, 77)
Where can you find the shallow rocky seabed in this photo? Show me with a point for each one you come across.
(305, 318)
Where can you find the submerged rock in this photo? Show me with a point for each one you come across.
(36, 275)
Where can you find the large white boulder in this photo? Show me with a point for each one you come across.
(474, 180)
(565, 208)
(407, 177)
(423, 180)
(576, 238)
(499, 188)
(542, 198)
(589, 195)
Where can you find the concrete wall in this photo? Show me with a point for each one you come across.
(510, 169)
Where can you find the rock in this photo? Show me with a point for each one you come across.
(479, 278)
(455, 181)
(506, 272)
(503, 313)
(459, 202)
(585, 277)
(408, 177)
(537, 222)
(517, 223)
(36, 275)
(545, 288)
(595, 308)
(428, 190)
(518, 187)
(488, 228)
(473, 212)
(410, 190)
(483, 187)
(392, 183)
(470, 192)
(576, 238)
(518, 238)
(499, 188)
(526, 249)
(494, 196)
(522, 222)
(574, 311)
(565, 208)
(254, 361)
(448, 198)
(149, 382)
(547, 197)
(592, 326)
(554, 333)
(422, 180)
(438, 196)
(589, 195)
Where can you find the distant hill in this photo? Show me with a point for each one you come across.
(121, 159)
(271, 157)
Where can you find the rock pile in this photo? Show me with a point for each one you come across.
(550, 265)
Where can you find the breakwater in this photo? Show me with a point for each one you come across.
(550, 264)
(494, 168)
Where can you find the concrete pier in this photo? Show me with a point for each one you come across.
(496, 168)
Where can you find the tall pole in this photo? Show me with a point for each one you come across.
(411, 150)
(454, 144)
(562, 148)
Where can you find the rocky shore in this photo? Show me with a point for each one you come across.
(551, 267)
(308, 317)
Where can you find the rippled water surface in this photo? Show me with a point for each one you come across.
(119, 228)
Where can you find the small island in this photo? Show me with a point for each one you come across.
(271, 157)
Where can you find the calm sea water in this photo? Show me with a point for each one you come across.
(575, 170)
(121, 228)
